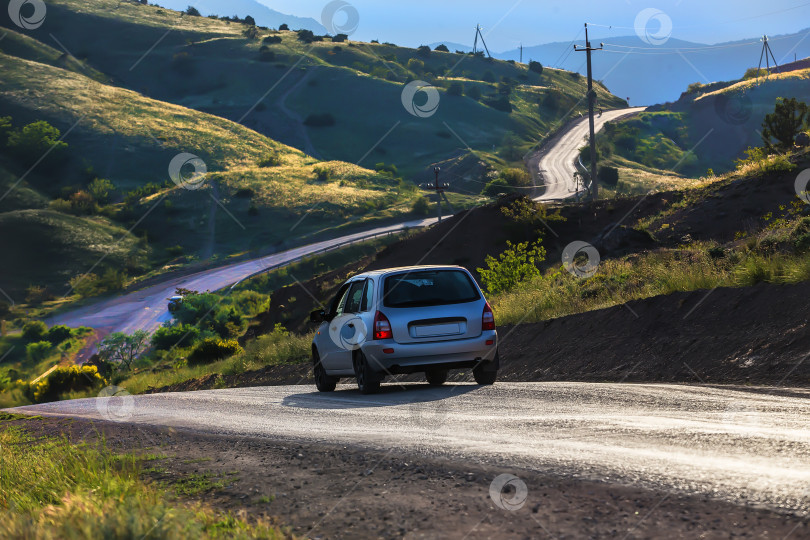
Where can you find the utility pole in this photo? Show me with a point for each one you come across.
(521, 53)
(475, 44)
(766, 50)
(439, 189)
(591, 96)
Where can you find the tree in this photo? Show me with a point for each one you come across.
(423, 51)
(518, 263)
(191, 10)
(421, 206)
(442, 48)
(415, 65)
(284, 26)
(34, 331)
(123, 348)
(783, 124)
(536, 67)
(5, 128)
(455, 89)
(754, 73)
(473, 91)
(100, 189)
(340, 38)
(250, 21)
(33, 141)
(609, 176)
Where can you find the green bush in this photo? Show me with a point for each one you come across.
(213, 349)
(518, 263)
(473, 91)
(270, 159)
(609, 176)
(179, 335)
(63, 380)
(5, 129)
(31, 142)
(37, 351)
(59, 333)
(536, 67)
(34, 331)
(269, 40)
(322, 174)
(421, 206)
(801, 236)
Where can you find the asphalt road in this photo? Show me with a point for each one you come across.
(743, 445)
(557, 163)
(146, 309)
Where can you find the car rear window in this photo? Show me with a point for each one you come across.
(429, 288)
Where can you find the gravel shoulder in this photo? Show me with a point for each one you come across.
(325, 491)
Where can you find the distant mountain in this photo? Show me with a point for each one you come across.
(264, 15)
(648, 74)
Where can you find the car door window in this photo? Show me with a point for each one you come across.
(368, 296)
(354, 297)
(337, 304)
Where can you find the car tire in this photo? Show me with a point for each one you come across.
(483, 376)
(323, 382)
(436, 377)
(368, 382)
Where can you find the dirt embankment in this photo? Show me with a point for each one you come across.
(323, 491)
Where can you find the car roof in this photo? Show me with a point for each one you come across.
(385, 271)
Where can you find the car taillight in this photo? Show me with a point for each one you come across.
(487, 319)
(382, 328)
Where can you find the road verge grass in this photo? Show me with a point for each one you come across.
(50, 488)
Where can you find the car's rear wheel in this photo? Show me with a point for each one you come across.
(436, 377)
(485, 372)
(368, 382)
(323, 382)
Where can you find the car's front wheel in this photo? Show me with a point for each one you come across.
(436, 377)
(323, 382)
(367, 381)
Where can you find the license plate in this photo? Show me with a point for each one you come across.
(437, 330)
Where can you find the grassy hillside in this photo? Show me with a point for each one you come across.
(213, 66)
(710, 127)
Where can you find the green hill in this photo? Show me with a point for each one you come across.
(233, 71)
(709, 127)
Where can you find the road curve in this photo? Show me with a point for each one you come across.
(743, 445)
(556, 165)
(146, 309)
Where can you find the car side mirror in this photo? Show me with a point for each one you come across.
(317, 316)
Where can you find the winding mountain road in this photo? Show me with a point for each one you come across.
(744, 445)
(555, 166)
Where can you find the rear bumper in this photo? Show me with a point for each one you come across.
(415, 357)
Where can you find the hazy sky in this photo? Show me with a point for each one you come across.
(508, 22)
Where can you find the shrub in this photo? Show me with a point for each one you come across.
(320, 120)
(307, 36)
(801, 236)
(251, 32)
(31, 142)
(322, 174)
(179, 335)
(536, 67)
(455, 89)
(59, 333)
(5, 129)
(518, 263)
(500, 103)
(423, 51)
(37, 351)
(63, 380)
(266, 55)
(271, 40)
(284, 26)
(271, 159)
(36, 294)
(421, 206)
(339, 38)
(415, 65)
(609, 176)
(488, 77)
(100, 189)
(250, 21)
(191, 10)
(753, 73)
(34, 331)
(442, 48)
(473, 91)
(212, 349)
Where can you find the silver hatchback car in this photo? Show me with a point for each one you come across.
(405, 320)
